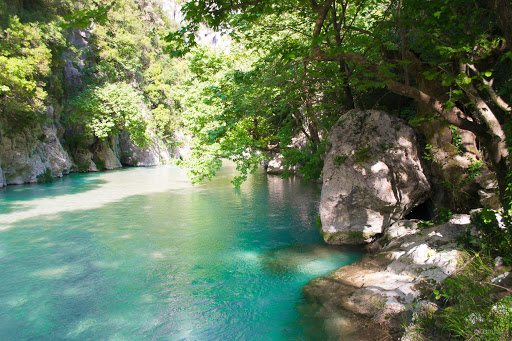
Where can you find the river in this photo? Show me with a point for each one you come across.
(140, 254)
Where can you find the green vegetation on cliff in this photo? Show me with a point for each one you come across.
(29, 44)
(125, 80)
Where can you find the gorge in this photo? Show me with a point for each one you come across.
(319, 170)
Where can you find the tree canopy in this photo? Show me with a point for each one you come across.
(440, 60)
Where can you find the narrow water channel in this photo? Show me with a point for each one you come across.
(140, 254)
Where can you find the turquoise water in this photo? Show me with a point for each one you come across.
(139, 254)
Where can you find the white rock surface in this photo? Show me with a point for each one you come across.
(275, 165)
(75, 62)
(372, 177)
(380, 287)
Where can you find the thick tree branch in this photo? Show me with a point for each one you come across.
(454, 116)
(490, 91)
(322, 14)
(357, 29)
(484, 113)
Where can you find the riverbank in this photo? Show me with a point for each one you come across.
(373, 298)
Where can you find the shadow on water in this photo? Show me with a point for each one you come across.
(11, 196)
(71, 184)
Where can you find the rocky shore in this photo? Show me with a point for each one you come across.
(372, 298)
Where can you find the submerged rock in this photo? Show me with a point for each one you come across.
(299, 258)
(372, 177)
(375, 293)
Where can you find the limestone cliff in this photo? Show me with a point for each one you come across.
(28, 157)
(156, 153)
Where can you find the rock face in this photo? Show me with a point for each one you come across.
(369, 299)
(132, 155)
(454, 157)
(91, 154)
(75, 61)
(372, 177)
(104, 157)
(2, 179)
(24, 157)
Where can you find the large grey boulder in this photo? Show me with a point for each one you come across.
(372, 177)
(25, 157)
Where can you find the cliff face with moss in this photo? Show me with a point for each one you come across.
(88, 92)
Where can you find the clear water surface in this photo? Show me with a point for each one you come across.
(140, 254)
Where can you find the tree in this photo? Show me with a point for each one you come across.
(446, 58)
(109, 109)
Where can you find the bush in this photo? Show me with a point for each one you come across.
(45, 177)
(469, 311)
(110, 108)
(493, 238)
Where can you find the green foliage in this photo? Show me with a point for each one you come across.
(363, 154)
(493, 237)
(85, 18)
(309, 160)
(31, 46)
(45, 177)
(442, 215)
(300, 74)
(474, 169)
(24, 63)
(129, 83)
(340, 159)
(469, 312)
(426, 154)
(109, 109)
(318, 221)
(100, 165)
(457, 140)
